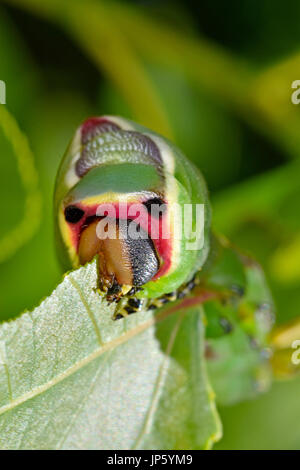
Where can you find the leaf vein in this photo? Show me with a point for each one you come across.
(88, 310)
(159, 383)
(79, 408)
(78, 365)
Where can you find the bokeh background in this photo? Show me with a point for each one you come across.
(216, 78)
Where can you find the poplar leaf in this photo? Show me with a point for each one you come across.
(72, 378)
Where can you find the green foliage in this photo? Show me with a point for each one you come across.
(27, 226)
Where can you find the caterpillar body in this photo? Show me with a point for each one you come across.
(125, 181)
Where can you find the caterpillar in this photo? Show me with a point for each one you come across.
(132, 185)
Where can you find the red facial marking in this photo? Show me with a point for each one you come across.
(151, 225)
(94, 126)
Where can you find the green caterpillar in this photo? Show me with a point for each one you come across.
(115, 161)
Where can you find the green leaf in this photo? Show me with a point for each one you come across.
(239, 321)
(238, 367)
(25, 228)
(92, 25)
(72, 378)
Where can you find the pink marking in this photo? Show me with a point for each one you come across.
(148, 224)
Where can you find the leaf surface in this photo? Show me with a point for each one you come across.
(72, 378)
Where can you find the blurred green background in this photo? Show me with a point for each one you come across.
(214, 77)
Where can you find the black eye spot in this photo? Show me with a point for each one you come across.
(155, 206)
(73, 214)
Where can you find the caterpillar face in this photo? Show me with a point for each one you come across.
(118, 192)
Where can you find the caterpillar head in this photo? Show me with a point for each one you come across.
(117, 196)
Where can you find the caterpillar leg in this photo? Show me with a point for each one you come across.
(129, 305)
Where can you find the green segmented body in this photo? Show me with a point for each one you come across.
(111, 158)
